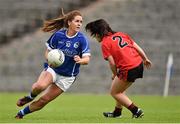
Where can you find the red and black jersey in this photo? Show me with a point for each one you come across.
(120, 46)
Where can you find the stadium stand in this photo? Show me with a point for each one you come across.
(22, 16)
(154, 25)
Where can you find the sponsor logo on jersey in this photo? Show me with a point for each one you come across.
(60, 42)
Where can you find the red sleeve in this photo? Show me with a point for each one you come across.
(105, 50)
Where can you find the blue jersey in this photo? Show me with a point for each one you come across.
(71, 46)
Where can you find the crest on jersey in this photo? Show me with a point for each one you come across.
(76, 45)
(68, 43)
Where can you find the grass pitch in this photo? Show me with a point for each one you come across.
(88, 108)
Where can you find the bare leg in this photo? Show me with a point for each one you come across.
(118, 92)
(44, 80)
(118, 105)
(50, 94)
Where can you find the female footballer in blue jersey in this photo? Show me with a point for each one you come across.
(54, 81)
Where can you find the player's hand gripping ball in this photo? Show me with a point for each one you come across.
(55, 58)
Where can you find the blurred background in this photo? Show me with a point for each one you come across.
(153, 24)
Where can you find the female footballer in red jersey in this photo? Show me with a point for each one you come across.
(126, 60)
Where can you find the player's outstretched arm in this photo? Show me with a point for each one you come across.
(146, 61)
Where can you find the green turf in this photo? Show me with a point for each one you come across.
(88, 108)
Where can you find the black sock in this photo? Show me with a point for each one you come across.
(133, 108)
(117, 111)
(32, 96)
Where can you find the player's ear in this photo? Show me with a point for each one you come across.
(69, 23)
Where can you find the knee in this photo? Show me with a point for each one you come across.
(113, 94)
(38, 87)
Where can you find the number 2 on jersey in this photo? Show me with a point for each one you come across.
(121, 43)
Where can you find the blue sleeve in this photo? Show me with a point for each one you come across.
(52, 42)
(85, 46)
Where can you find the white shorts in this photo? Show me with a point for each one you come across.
(62, 82)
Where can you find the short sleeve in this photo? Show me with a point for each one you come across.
(105, 50)
(52, 42)
(85, 47)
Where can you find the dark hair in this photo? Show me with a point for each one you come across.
(99, 27)
(60, 22)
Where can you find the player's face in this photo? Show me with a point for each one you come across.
(98, 38)
(76, 23)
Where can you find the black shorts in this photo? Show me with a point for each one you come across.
(132, 74)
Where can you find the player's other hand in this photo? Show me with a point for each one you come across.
(113, 76)
(147, 63)
(77, 58)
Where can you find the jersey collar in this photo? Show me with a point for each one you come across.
(70, 36)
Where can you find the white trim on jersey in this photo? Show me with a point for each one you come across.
(72, 74)
(87, 44)
(86, 54)
(48, 47)
(50, 44)
(71, 36)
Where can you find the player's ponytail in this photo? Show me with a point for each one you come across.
(56, 24)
